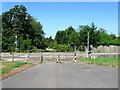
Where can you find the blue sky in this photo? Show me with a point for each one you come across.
(56, 16)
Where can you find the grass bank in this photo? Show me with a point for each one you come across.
(113, 62)
(10, 68)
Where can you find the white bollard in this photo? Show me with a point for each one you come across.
(74, 60)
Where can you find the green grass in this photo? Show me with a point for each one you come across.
(101, 61)
(8, 66)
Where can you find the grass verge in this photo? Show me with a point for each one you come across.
(113, 62)
(11, 68)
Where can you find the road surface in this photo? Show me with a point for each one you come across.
(64, 75)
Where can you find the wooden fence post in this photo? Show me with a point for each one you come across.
(41, 58)
(12, 57)
(52, 55)
(27, 56)
(58, 58)
(66, 57)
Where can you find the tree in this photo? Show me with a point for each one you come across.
(37, 34)
(74, 39)
(113, 36)
(49, 42)
(61, 37)
(17, 22)
(103, 37)
(93, 34)
(70, 33)
(106, 39)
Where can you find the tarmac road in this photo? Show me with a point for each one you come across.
(64, 75)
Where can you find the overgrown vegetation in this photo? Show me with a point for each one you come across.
(101, 61)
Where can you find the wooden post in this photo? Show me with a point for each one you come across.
(52, 55)
(66, 57)
(41, 58)
(27, 56)
(58, 59)
(12, 57)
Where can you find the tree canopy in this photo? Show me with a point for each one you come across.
(18, 22)
(83, 31)
(97, 36)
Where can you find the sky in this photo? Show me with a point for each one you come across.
(56, 16)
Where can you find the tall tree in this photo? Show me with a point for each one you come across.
(17, 22)
(106, 39)
(93, 34)
(63, 36)
(49, 42)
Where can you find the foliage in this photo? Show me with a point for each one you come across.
(62, 48)
(79, 38)
(17, 22)
(81, 48)
(10, 66)
(68, 37)
(106, 39)
(49, 42)
(93, 34)
(61, 37)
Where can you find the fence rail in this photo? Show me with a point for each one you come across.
(52, 56)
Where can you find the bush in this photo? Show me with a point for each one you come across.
(81, 48)
(62, 48)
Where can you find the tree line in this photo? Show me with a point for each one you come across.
(79, 37)
(21, 32)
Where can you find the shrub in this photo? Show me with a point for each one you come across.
(62, 48)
